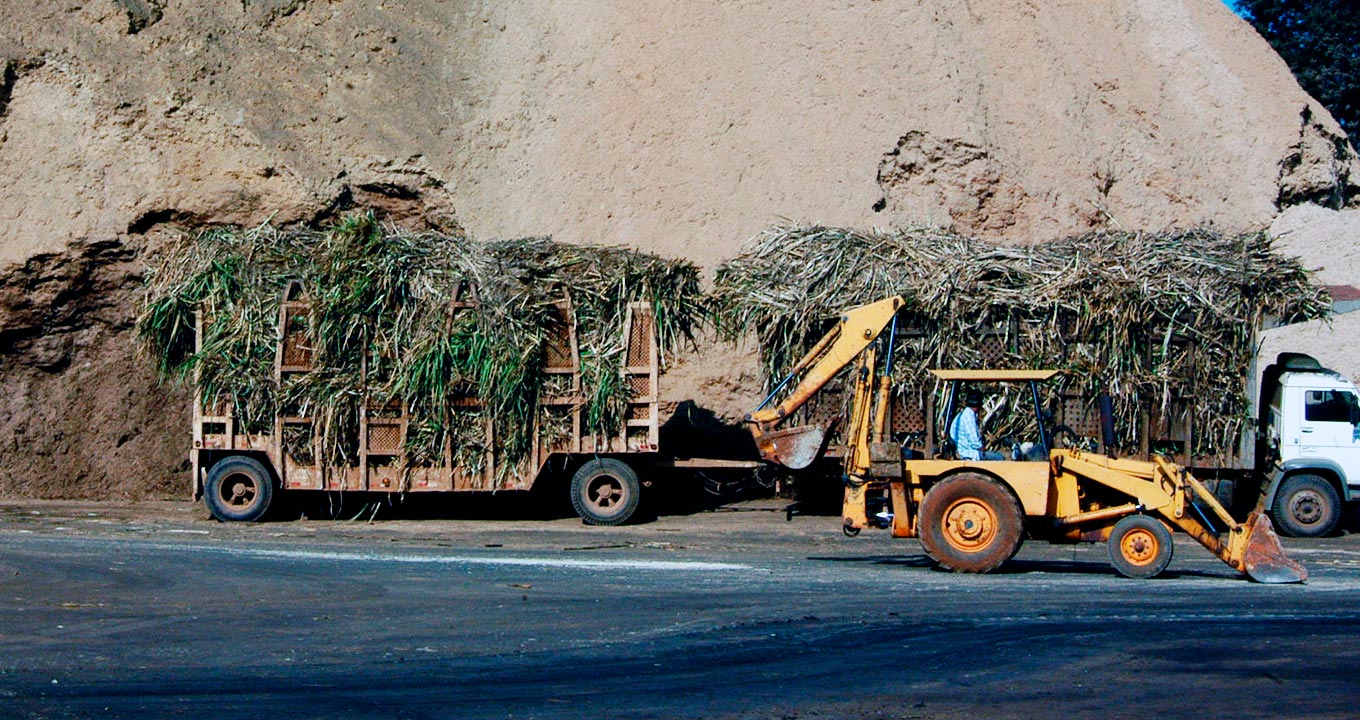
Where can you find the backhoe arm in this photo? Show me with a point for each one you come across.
(797, 447)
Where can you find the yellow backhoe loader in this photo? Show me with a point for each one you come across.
(972, 515)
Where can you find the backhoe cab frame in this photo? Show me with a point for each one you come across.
(1027, 477)
(1032, 378)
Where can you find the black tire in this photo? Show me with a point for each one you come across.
(605, 491)
(970, 523)
(1305, 506)
(1140, 547)
(238, 489)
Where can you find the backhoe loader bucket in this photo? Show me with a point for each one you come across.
(794, 448)
(1263, 559)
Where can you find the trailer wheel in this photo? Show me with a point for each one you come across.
(970, 523)
(239, 488)
(1306, 506)
(605, 491)
(1140, 547)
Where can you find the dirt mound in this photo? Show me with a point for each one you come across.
(81, 414)
(679, 130)
(1328, 243)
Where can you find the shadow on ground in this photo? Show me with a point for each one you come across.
(1014, 567)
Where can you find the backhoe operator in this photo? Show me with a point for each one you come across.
(965, 432)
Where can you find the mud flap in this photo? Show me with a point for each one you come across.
(794, 448)
(1263, 559)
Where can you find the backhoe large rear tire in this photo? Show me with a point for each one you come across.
(1140, 547)
(1305, 506)
(970, 523)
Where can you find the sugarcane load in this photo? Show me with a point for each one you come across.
(364, 358)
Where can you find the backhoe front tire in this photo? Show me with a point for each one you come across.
(605, 491)
(1305, 506)
(238, 489)
(970, 523)
(1140, 547)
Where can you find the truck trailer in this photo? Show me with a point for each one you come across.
(240, 469)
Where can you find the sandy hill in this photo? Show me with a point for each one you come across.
(680, 128)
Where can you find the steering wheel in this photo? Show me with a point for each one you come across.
(1071, 439)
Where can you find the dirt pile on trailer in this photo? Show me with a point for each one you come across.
(1151, 318)
(421, 318)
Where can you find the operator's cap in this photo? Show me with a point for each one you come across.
(972, 398)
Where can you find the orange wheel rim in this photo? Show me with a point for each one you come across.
(970, 525)
(1139, 547)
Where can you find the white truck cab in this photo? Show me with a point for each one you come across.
(1313, 429)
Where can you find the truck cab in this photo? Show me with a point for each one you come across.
(1312, 430)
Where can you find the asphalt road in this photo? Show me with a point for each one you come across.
(107, 612)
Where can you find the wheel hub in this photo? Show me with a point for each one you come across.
(1139, 547)
(241, 491)
(1306, 507)
(969, 525)
(605, 493)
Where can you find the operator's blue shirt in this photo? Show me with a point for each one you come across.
(964, 432)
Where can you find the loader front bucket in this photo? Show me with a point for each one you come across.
(794, 448)
(1263, 559)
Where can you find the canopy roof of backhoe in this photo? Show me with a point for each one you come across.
(985, 375)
